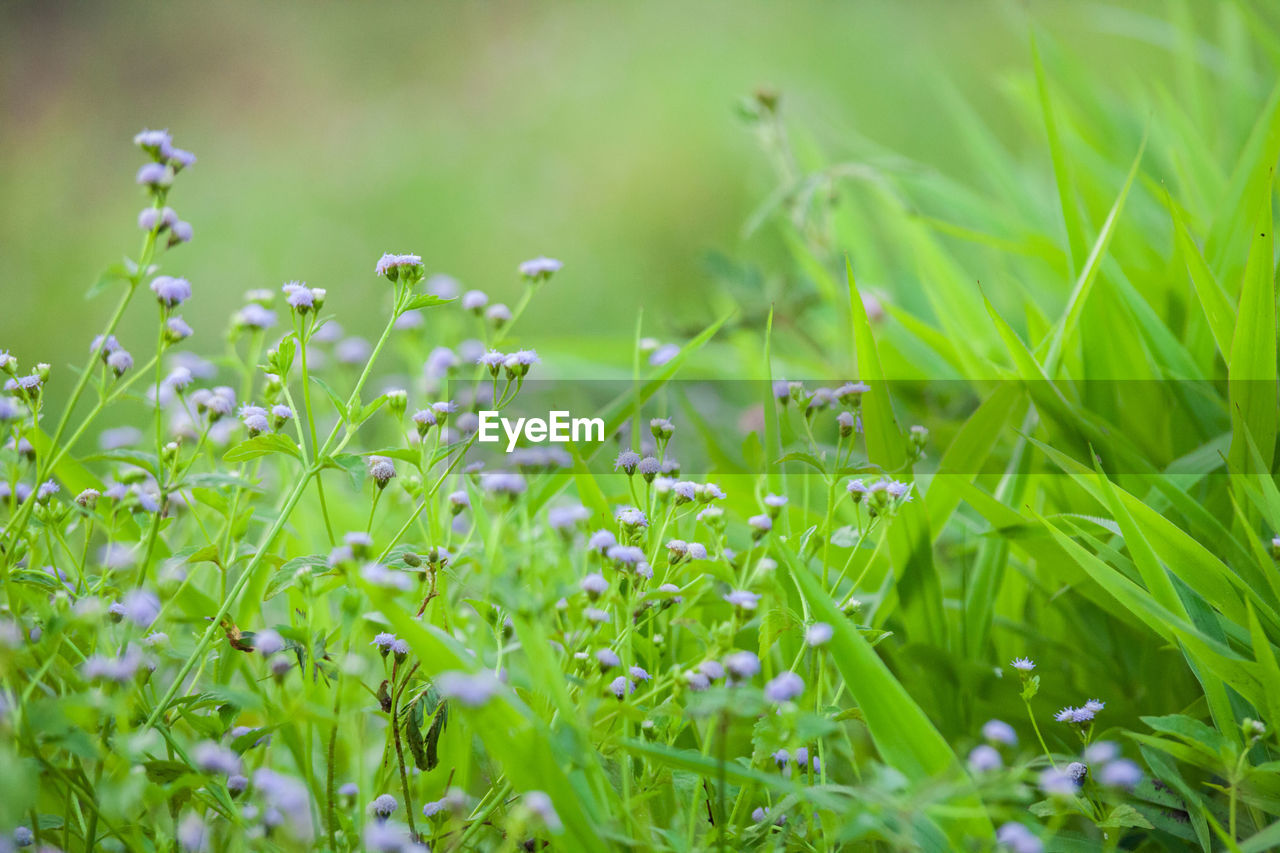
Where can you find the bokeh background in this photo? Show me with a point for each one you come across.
(478, 135)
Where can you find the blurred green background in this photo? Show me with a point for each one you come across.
(478, 135)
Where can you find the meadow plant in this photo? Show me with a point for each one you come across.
(290, 606)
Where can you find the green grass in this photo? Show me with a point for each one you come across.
(1084, 318)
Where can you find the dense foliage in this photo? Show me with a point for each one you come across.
(951, 573)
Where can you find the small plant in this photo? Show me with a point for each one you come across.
(970, 583)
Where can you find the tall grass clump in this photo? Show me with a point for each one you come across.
(978, 552)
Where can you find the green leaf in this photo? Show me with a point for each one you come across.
(910, 541)
(425, 300)
(262, 445)
(905, 737)
(1251, 372)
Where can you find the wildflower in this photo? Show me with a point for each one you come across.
(661, 428)
(236, 783)
(349, 789)
(299, 296)
(383, 806)
(1078, 770)
(287, 797)
(1076, 716)
(179, 378)
(742, 599)
(154, 175)
(498, 314)
(267, 642)
(181, 232)
(818, 634)
(118, 669)
(984, 758)
(1057, 783)
(649, 467)
(379, 575)
(471, 690)
(540, 805)
(396, 267)
(153, 141)
(697, 551)
(540, 268)
(383, 641)
(503, 483)
(353, 350)
(594, 585)
(474, 301)
(518, 363)
(710, 492)
(212, 758)
(191, 832)
(627, 555)
(760, 814)
(784, 688)
(88, 498)
(781, 758)
(638, 673)
(602, 541)
(742, 665)
(607, 658)
(1093, 706)
(595, 614)
(381, 469)
(711, 669)
(120, 362)
(760, 525)
(621, 686)
(850, 393)
(47, 490)
(1016, 837)
(459, 501)
(664, 354)
(400, 649)
(697, 681)
(1023, 665)
(685, 491)
(176, 329)
(998, 731)
(254, 419)
(170, 292)
(254, 316)
(847, 424)
(627, 461)
(564, 517)
(631, 518)
(141, 607)
(1120, 774)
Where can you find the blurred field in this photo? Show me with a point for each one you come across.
(478, 135)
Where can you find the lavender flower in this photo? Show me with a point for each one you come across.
(267, 642)
(539, 804)
(381, 470)
(120, 362)
(1120, 774)
(818, 634)
(141, 607)
(784, 688)
(471, 690)
(474, 301)
(742, 665)
(1023, 665)
(621, 686)
(254, 316)
(638, 673)
(170, 292)
(594, 585)
(154, 175)
(998, 731)
(742, 599)
(540, 268)
(1016, 837)
(383, 806)
(176, 329)
(984, 758)
(396, 267)
(607, 659)
(626, 462)
(212, 758)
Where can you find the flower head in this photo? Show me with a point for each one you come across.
(540, 268)
(170, 292)
(784, 688)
